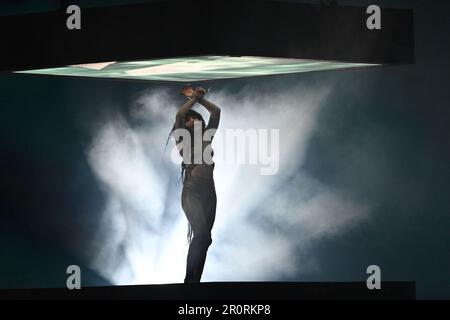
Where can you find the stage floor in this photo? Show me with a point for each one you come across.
(227, 291)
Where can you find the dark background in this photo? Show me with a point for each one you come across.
(397, 116)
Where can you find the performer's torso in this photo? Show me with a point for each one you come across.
(198, 162)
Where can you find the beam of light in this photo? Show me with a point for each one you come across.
(196, 68)
(264, 224)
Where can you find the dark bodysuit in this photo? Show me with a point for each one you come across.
(198, 200)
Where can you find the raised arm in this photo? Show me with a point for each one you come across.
(214, 113)
(179, 119)
(198, 96)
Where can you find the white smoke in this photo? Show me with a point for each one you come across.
(264, 224)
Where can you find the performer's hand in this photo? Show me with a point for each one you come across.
(187, 91)
(198, 93)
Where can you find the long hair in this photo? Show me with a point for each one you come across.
(194, 114)
(190, 113)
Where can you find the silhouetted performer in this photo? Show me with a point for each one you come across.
(198, 198)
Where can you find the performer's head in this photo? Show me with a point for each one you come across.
(191, 117)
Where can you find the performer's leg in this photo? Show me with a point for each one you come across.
(200, 209)
(196, 257)
(204, 236)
